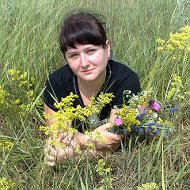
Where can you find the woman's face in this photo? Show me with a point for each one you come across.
(88, 62)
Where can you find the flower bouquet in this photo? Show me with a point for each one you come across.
(143, 116)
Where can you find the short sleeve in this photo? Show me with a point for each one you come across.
(131, 83)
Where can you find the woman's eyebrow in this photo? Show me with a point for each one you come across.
(91, 47)
(71, 51)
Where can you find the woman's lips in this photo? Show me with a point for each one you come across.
(88, 71)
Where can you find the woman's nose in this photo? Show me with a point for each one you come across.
(84, 61)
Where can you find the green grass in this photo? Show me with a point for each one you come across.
(29, 43)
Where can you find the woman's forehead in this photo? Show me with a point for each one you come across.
(80, 47)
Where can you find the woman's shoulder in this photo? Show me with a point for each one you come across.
(120, 69)
(122, 78)
(60, 78)
(63, 73)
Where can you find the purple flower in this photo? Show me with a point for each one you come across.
(154, 105)
(118, 121)
(142, 108)
(148, 131)
(133, 126)
(150, 124)
(139, 117)
(174, 109)
(156, 132)
(141, 130)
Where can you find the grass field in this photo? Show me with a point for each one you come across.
(29, 51)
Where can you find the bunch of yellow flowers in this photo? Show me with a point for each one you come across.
(179, 41)
(67, 114)
(27, 84)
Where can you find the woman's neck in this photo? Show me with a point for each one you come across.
(91, 88)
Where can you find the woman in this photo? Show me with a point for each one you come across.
(89, 71)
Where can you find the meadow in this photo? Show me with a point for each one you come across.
(152, 37)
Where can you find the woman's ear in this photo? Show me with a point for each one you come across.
(107, 47)
(107, 43)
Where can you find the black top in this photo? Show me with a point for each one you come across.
(119, 78)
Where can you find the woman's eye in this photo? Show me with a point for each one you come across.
(91, 51)
(73, 55)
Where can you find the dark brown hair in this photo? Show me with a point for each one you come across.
(81, 28)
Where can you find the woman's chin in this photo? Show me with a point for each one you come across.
(88, 78)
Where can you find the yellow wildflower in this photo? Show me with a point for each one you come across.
(3, 95)
(148, 186)
(11, 72)
(169, 47)
(6, 184)
(160, 41)
(5, 145)
(66, 102)
(105, 174)
(175, 88)
(160, 49)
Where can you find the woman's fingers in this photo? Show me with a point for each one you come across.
(50, 163)
(66, 153)
(111, 141)
(49, 160)
(50, 150)
(103, 130)
(56, 153)
(115, 137)
(69, 142)
(106, 126)
(50, 155)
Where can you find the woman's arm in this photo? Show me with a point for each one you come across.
(54, 153)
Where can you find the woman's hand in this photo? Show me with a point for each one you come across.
(64, 150)
(104, 141)
(110, 141)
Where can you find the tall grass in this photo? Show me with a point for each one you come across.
(29, 43)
